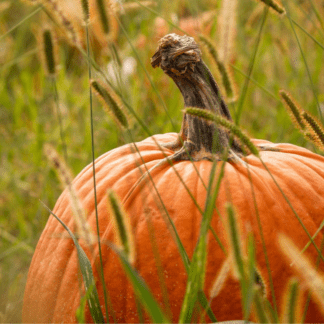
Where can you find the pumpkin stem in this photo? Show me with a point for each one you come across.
(180, 58)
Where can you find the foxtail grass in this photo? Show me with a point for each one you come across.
(221, 277)
(111, 102)
(315, 129)
(304, 121)
(233, 129)
(52, 8)
(235, 241)
(291, 312)
(311, 277)
(88, 278)
(275, 6)
(294, 110)
(224, 71)
(49, 48)
(65, 176)
(122, 227)
(227, 26)
(104, 16)
(85, 10)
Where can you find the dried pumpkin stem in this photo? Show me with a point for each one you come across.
(180, 58)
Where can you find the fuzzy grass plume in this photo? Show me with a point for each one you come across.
(275, 6)
(49, 51)
(86, 11)
(315, 129)
(227, 27)
(291, 312)
(293, 109)
(305, 122)
(234, 130)
(52, 7)
(235, 242)
(104, 17)
(311, 277)
(65, 177)
(111, 102)
(224, 71)
(222, 275)
(122, 226)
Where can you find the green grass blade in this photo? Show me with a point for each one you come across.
(291, 307)
(141, 289)
(246, 83)
(196, 273)
(21, 22)
(102, 276)
(307, 67)
(87, 274)
(308, 34)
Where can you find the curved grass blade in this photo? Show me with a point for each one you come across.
(251, 65)
(21, 22)
(291, 311)
(87, 274)
(102, 276)
(141, 289)
(307, 68)
(196, 273)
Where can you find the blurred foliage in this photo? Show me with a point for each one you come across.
(29, 115)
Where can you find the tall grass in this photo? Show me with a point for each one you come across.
(269, 53)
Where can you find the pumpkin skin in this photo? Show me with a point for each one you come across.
(52, 291)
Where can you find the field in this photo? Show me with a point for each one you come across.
(269, 52)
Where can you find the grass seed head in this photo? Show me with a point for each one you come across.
(65, 176)
(293, 109)
(275, 6)
(111, 102)
(224, 70)
(315, 130)
(227, 26)
(85, 9)
(63, 21)
(104, 17)
(233, 129)
(49, 48)
(121, 225)
(306, 271)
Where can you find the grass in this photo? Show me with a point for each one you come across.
(282, 55)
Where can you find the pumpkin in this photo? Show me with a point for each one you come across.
(53, 286)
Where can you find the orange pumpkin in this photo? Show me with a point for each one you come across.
(53, 286)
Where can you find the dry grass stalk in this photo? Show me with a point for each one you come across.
(67, 25)
(65, 176)
(227, 27)
(221, 277)
(311, 278)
